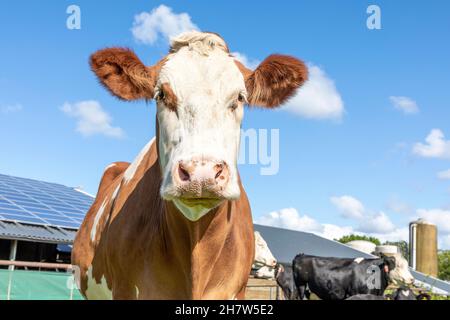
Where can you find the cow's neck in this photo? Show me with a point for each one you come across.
(195, 245)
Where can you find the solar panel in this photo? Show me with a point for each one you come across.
(42, 203)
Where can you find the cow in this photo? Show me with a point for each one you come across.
(285, 280)
(401, 274)
(340, 278)
(176, 223)
(263, 255)
(264, 265)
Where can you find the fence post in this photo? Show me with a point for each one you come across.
(12, 253)
(8, 294)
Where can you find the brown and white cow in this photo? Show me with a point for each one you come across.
(176, 223)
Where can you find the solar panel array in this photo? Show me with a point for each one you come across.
(41, 203)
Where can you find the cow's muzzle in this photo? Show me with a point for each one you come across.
(200, 180)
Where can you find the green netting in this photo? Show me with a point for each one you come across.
(37, 285)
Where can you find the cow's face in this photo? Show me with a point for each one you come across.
(200, 95)
(263, 255)
(401, 273)
(200, 92)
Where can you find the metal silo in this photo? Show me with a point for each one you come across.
(423, 247)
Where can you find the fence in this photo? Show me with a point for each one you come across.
(37, 284)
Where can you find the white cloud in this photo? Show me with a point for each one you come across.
(398, 234)
(332, 231)
(405, 104)
(349, 206)
(160, 22)
(318, 98)
(436, 146)
(289, 219)
(11, 108)
(444, 175)
(249, 63)
(439, 217)
(92, 119)
(376, 223)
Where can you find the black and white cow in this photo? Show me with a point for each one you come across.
(285, 279)
(338, 278)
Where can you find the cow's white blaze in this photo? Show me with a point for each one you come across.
(131, 170)
(98, 215)
(263, 255)
(207, 83)
(97, 291)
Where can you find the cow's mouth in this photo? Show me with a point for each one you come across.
(204, 202)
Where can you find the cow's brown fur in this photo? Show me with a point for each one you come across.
(145, 242)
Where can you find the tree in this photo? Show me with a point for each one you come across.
(353, 237)
(444, 265)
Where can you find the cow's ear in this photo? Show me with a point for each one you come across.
(123, 74)
(274, 81)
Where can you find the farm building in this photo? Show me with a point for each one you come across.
(39, 220)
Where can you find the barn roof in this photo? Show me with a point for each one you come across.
(42, 211)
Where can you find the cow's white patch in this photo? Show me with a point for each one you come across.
(359, 260)
(97, 291)
(131, 170)
(116, 191)
(97, 219)
(265, 273)
(406, 292)
(207, 84)
(110, 166)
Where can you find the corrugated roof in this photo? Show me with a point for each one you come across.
(20, 231)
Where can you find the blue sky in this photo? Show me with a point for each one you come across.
(360, 165)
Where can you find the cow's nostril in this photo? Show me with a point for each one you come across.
(183, 174)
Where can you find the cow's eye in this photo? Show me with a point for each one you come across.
(241, 98)
(161, 95)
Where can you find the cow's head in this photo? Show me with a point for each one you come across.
(200, 92)
(401, 273)
(263, 255)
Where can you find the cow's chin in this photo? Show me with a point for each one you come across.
(195, 208)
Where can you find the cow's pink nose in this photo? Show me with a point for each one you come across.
(203, 171)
